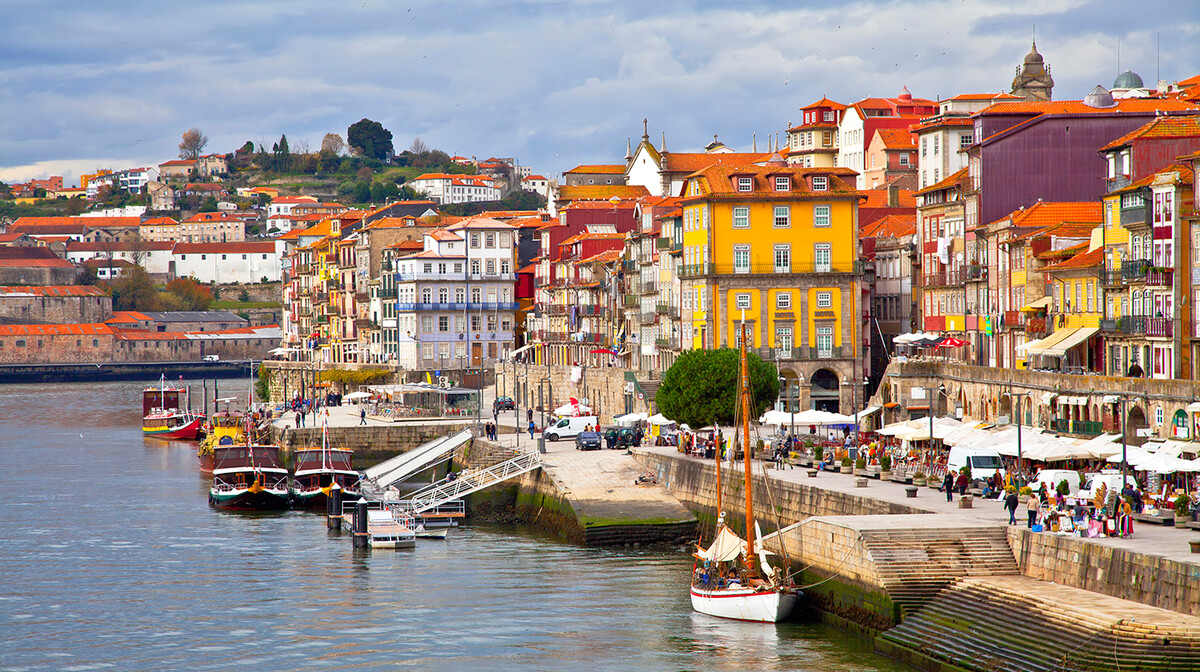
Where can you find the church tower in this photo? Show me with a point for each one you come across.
(1033, 80)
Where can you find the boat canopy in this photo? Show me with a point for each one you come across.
(725, 548)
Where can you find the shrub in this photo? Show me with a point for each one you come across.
(846, 461)
(860, 463)
(885, 463)
(1063, 488)
(1182, 503)
(1026, 491)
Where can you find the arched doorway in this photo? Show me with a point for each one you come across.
(1137, 420)
(825, 391)
(1006, 406)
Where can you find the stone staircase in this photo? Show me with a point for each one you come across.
(1019, 624)
(915, 564)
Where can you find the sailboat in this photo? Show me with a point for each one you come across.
(318, 468)
(732, 577)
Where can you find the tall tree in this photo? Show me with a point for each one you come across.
(134, 290)
(370, 138)
(418, 146)
(193, 144)
(333, 143)
(700, 388)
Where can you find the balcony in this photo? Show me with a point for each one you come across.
(1035, 325)
(1012, 318)
(386, 293)
(649, 287)
(806, 353)
(554, 309)
(632, 301)
(321, 297)
(662, 243)
(977, 272)
(948, 278)
(1087, 427)
(592, 310)
(629, 265)
(1061, 425)
(1134, 270)
(502, 305)
(1163, 327)
(1111, 277)
(662, 342)
(1131, 325)
(661, 308)
(1108, 326)
(648, 318)
(697, 270)
(1160, 277)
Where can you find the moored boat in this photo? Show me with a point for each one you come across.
(248, 477)
(164, 418)
(316, 469)
(224, 428)
(732, 578)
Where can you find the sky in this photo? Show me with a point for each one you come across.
(553, 84)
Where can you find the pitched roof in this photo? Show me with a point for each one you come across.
(52, 290)
(957, 178)
(719, 182)
(94, 329)
(592, 236)
(599, 192)
(605, 257)
(896, 138)
(48, 223)
(1079, 260)
(160, 221)
(442, 234)
(1078, 106)
(598, 169)
(1044, 213)
(225, 248)
(1161, 127)
(825, 102)
(118, 246)
(891, 226)
(690, 162)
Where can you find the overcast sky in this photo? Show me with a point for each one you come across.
(552, 84)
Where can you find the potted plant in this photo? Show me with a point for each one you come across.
(1183, 510)
(847, 465)
(860, 466)
(885, 467)
(918, 478)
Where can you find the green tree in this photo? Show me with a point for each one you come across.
(193, 143)
(370, 138)
(134, 290)
(262, 386)
(701, 387)
(362, 191)
(209, 204)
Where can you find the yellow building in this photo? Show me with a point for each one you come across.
(776, 245)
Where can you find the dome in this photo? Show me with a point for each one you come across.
(1099, 97)
(905, 96)
(1128, 80)
(1033, 56)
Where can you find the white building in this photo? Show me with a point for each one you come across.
(456, 302)
(942, 140)
(154, 256)
(283, 205)
(131, 180)
(246, 263)
(538, 185)
(445, 188)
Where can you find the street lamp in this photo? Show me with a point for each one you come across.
(936, 397)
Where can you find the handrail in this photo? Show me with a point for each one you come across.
(446, 490)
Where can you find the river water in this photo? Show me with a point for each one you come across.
(110, 557)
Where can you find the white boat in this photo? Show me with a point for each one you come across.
(423, 532)
(385, 531)
(732, 578)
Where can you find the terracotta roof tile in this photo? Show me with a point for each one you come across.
(1078, 107)
(1161, 127)
(580, 192)
(95, 329)
(693, 162)
(226, 248)
(598, 169)
(896, 138)
(1079, 260)
(958, 178)
(53, 290)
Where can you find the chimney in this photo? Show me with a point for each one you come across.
(893, 196)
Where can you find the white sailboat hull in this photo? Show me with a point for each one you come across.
(744, 604)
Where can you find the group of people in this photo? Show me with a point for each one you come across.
(490, 430)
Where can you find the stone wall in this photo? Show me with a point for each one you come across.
(1138, 577)
(370, 444)
(983, 393)
(604, 388)
(17, 308)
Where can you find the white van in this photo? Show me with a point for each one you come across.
(983, 461)
(1052, 477)
(1109, 477)
(567, 428)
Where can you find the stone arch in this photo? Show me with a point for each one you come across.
(1136, 419)
(825, 390)
(1006, 407)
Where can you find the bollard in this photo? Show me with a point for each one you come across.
(361, 534)
(860, 482)
(812, 473)
(541, 444)
(964, 502)
(333, 507)
(911, 491)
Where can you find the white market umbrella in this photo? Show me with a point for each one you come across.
(1135, 456)
(659, 419)
(357, 395)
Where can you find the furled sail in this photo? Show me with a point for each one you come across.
(725, 548)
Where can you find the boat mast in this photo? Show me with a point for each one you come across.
(717, 454)
(745, 391)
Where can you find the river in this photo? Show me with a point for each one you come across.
(112, 558)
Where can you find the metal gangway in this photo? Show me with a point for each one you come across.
(469, 481)
(405, 465)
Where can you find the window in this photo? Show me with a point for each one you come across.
(491, 266)
(741, 258)
(443, 323)
(904, 158)
(821, 215)
(820, 183)
(489, 240)
(822, 257)
(476, 295)
(1158, 415)
(827, 115)
(427, 295)
(475, 240)
(474, 267)
(824, 342)
(741, 218)
(783, 301)
(783, 183)
(965, 140)
(824, 299)
(443, 295)
(742, 302)
(783, 340)
(783, 258)
(427, 323)
(504, 267)
(783, 217)
(428, 267)
(936, 141)
(460, 295)
(744, 183)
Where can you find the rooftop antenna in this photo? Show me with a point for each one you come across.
(754, 142)
(1157, 54)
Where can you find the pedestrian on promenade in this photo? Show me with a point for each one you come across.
(961, 483)
(299, 419)
(362, 415)
(531, 429)
(1032, 505)
(1010, 503)
(948, 486)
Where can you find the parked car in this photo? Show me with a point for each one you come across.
(503, 404)
(588, 441)
(212, 358)
(626, 437)
(567, 428)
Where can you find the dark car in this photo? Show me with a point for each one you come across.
(626, 437)
(503, 404)
(610, 437)
(588, 441)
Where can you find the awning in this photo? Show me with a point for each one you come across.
(1077, 337)
(891, 404)
(1048, 342)
(1193, 407)
(1044, 302)
(869, 410)
(1024, 347)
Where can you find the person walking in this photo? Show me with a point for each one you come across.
(299, 419)
(961, 483)
(531, 430)
(1010, 502)
(1032, 505)
(362, 415)
(948, 486)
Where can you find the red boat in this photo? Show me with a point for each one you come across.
(163, 418)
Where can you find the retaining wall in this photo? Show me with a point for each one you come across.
(370, 444)
(1138, 577)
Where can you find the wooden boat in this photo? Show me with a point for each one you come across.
(164, 418)
(248, 477)
(224, 428)
(316, 469)
(732, 577)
